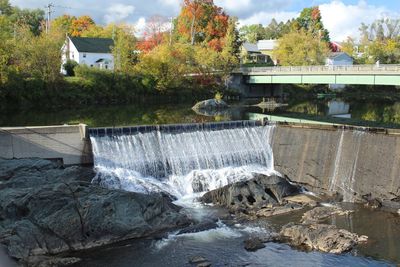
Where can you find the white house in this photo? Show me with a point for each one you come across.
(339, 59)
(93, 52)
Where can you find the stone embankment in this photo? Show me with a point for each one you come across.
(47, 211)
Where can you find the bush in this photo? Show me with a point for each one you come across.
(69, 67)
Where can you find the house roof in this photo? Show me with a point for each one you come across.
(266, 44)
(251, 47)
(335, 55)
(92, 45)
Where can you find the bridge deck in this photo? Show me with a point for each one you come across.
(356, 74)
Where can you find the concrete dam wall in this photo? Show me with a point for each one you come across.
(68, 143)
(353, 163)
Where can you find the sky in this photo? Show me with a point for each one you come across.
(341, 17)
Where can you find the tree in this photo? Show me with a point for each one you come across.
(200, 21)
(124, 50)
(69, 67)
(80, 25)
(63, 23)
(299, 48)
(5, 8)
(154, 34)
(252, 33)
(167, 66)
(33, 18)
(310, 20)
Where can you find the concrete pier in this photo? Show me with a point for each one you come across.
(68, 143)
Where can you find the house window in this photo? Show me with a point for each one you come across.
(72, 55)
(84, 55)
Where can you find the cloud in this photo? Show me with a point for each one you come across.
(118, 12)
(235, 6)
(344, 20)
(265, 18)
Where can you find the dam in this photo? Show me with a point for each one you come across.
(348, 160)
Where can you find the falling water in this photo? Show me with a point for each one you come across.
(343, 176)
(182, 163)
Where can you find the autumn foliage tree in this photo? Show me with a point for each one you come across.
(201, 21)
(155, 33)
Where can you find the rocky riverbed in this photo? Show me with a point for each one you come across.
(51, 216)
(47, 211)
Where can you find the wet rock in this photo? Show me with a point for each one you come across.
(253, 244)
(320, 214)
(260, 192)
(199, 261)
(322, 237)
(43, 261)
(371, 202)
(277, 210)
(46, 209)
(210, 104)
(198, 228)
(304, 199)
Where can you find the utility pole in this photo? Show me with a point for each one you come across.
(49, 11)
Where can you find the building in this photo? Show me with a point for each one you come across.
(339, 59)
(93, 52)
(261, 52)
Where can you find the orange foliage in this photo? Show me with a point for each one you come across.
(81, 24)
(150, 41)
(209, 22)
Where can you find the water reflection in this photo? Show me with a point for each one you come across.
(375, 114)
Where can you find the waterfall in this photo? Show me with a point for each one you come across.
(344, 172)
(182, 163)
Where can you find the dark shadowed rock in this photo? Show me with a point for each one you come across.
(46, 210)
(253, 244)
(204, 226)
(371, 202)
(260, 192)
(322, 237)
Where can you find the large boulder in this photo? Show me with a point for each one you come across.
(210, 104)
(46, 209)
(322, 237)
(260, 192)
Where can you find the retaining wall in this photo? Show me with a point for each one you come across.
(352, 162)
(67, 143)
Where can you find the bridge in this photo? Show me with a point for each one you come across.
(355, 74)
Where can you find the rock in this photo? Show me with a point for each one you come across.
(200, 261)
(322, 237)
(371, 202)
(46, 209)
(204, 264)
(210, 104)
(197, 259)
(45, 261)
(260, 192)
(253, 244)
(198, 228)
(304, 199)
(278, 210)
(320, 214)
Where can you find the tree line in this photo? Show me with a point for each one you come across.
(194, 57)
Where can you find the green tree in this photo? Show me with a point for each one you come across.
(125, 56)
(299, 48)
(310, 20)
(5, 7)
(33, 18)
(252, 33)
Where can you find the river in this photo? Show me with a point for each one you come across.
(363, 113)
